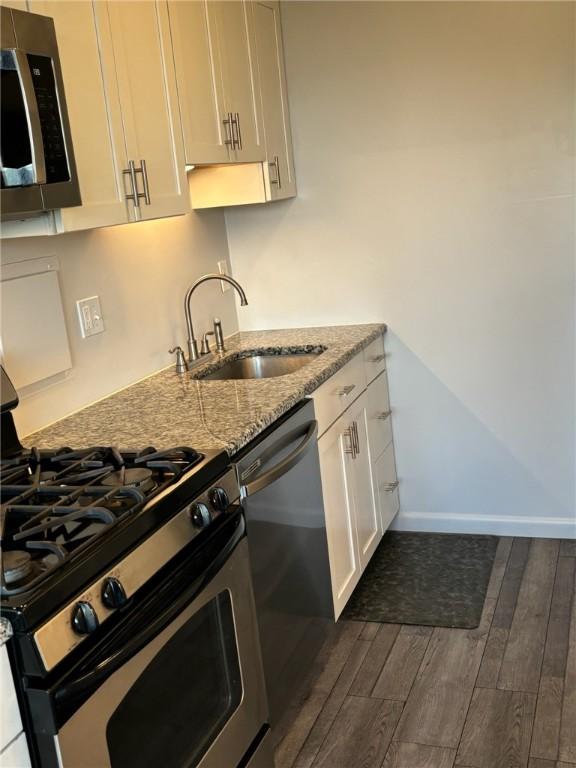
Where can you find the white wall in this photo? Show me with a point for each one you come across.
(141, 273)
(435, 163)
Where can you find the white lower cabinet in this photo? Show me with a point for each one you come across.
(338, 493)
(16, 754)
(358, 469)
(352, 515)
(368, 526)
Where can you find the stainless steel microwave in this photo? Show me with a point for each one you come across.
(38, 172)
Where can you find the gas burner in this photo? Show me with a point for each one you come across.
(136, 477)
(56, 505)
(16, 566)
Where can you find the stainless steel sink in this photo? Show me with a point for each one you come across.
(262, 366)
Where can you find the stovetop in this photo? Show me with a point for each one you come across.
(66, 514)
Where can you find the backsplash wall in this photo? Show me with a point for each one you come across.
(141, 273)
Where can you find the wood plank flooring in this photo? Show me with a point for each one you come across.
(499, 696)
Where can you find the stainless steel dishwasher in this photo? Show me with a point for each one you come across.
(280, 474)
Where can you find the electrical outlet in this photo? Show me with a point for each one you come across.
(223, 269)
(90, 316)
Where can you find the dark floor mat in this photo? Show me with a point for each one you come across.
(437, 579)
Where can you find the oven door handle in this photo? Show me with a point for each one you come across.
(288, 462)
(116, 660)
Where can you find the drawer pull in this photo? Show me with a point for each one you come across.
(383, 415)
(376, 358)
(345, 391)
(389, 487)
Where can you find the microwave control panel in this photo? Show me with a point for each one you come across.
(55, 157)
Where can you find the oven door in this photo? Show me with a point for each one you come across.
(182, 684)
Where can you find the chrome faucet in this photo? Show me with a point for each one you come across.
(192, 344)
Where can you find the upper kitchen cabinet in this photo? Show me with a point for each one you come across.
(95, 118)
(121, 95)
(155, 179)
(219, 102)
(19, 5)
(235, 41)
(246, 182)
(206, 125)
(279, 172)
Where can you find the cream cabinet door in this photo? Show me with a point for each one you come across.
(19, 5)
(95, 117)
(199, 77)
(142, 63)
(279, 176)
(367, 517)
(230, 19)
(337, 491)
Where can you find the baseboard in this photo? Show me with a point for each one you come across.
(501, 525)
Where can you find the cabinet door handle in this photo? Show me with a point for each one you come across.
(143, 170)
(356, 438)
(351, 448)
(383, 415)
(345, 391)
(229, 124)
(131, 171)
(276, 165)
(389, 487)
(376, 358)
(238, 130)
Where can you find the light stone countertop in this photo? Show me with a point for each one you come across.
(168, 410)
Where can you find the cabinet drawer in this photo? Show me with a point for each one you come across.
(335, 395)
(374, 358)
(386, 486)
(378, 416)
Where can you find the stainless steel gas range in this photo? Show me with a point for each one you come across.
(125, 576)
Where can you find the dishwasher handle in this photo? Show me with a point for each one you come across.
(287, 463)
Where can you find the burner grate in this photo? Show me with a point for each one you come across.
(57, 504)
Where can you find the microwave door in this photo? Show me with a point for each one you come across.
(38, 171)
(21, 150)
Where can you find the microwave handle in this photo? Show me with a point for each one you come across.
(287, 463)
(32, 116)
(104, 669)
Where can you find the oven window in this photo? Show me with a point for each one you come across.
(183, 699)
(15, 148)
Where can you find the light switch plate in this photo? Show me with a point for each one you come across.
(223, 269)
(90, 316)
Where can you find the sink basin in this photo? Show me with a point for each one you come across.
(262, 366)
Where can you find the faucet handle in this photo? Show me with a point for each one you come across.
(205, 347)
(181, 366)
(219, 335)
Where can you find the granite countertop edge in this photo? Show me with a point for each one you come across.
(208, 420)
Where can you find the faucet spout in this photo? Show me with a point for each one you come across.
(192, 343)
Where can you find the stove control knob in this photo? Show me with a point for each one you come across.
(84, 618)
(219, 499)
(200, 515)
(113, 593)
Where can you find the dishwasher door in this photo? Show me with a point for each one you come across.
(286, 528)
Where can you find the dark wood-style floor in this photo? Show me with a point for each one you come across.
(500, 696)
